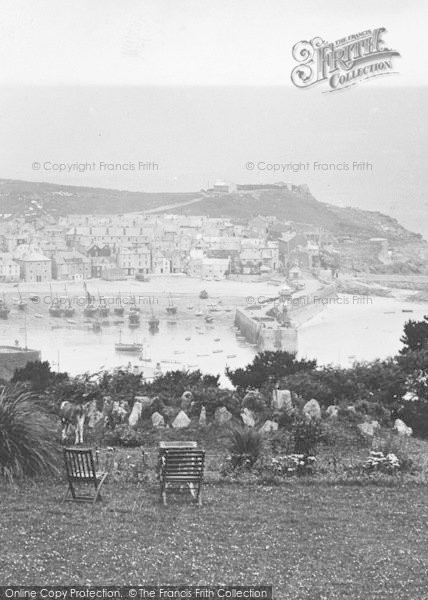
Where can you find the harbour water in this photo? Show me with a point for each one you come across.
(343, 332)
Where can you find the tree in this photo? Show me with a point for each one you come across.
(415, 336)
(38, 375)
(268, 367)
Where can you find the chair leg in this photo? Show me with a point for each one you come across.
(98, 490)
(66, 494)
(200, 495)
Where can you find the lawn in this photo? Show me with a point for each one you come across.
(310, 541)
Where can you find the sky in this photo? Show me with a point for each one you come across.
(201, 88)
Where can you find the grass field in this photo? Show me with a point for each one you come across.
(308, 541)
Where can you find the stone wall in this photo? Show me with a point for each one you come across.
(12, 358)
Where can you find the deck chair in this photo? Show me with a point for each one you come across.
(181, 466)
(80, 469)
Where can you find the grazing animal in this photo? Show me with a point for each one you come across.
(73, 418)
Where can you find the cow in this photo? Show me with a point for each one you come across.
(73, 417)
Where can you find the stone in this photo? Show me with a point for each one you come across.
(254, 400)
(269, 426)
(158, 420)
(332, 411)
(248, 417)
(402, 428)
(351, 409)
(135, 413)
(312, 409)
(410, 397)
(222, 415)
(281, 399)
(368, 429)
(203, 417)
(181, 420)
(146, 402)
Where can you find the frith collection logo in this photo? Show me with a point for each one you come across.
(342, 63)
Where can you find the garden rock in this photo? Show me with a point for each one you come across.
(181, 420)
(222, 415)
(368, 429)
(158, 420)
(351, 409)
(203, 417)
(281, 399)
(248, 417)
(402, 428)
(312, 409)
(410, 397)
(146, 402)
(332, 411)
(135, 413)
(269, 426)
(254, 401)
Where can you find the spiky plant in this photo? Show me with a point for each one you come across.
(27, 436)
(245, 445)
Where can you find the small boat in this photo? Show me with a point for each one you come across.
(134, 319)
(68, 309)
(201, 355)
(153, 321)
(407, 310)
(104, 311)
(22, 305)
(4, 309)
(55, 311)
(178, 351)
(187, 339)
(228, 308)
(190, 306)
(203, 295)
(131, 347)
(171, 309)
(71, 321)
(201, 333)
(198, 313)
(216, 339)
(389, 312)
(192, 366)
(119, 310)
(208, 319)
(231, 356)
(90, 311)
(38, 316)
(217, 351)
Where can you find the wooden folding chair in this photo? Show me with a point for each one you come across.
(180, 466)
(80, 469)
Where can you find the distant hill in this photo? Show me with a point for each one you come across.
(24, 197)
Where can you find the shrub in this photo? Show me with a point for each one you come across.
(125, 436)
(245, 445)
(306, 436)
(415, 415)
(267, 367)
(27, 436)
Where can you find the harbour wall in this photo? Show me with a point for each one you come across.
(266, 333)
(12, 358)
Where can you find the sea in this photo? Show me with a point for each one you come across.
(346, 330)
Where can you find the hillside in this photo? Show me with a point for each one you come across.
(22, 197)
